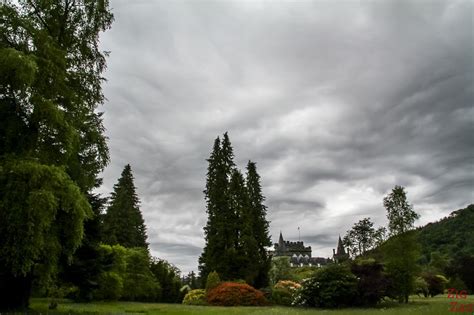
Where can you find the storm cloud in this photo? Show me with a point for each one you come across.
(336, 102)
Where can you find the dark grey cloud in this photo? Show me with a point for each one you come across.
(336, 101)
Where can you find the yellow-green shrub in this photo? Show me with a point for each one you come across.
(195, 297)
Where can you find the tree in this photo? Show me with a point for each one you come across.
(123, 222)
(52, 145)
(400, 214)
(219, 234)
(402, 251)
(86, 266)
(169, 278)
(260, 225)
(363, 237)
(237, 230)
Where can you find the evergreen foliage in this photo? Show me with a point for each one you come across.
(213, 280)
(236, 232)
(260, 225)
(123, 222)
(168, 277)
(86, 265)
(52, 145)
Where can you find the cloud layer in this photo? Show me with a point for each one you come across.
(337, 102)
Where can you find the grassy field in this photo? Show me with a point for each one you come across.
(419, 306)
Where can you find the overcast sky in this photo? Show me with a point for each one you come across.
(336, 102)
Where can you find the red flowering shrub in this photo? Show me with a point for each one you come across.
(234, 294)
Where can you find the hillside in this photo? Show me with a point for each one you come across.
(452, 236)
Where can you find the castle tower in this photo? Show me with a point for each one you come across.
(340, 254)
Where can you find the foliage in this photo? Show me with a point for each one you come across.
(260, 225)
(421, 287)
(52, 145)
(363, 237)
(213, 280)
(301, 273)
(280, 269)
(236, 231)
(110, 282)
(139, 282)
(168, 277)
(128, 275)
(463, 268)
(435, 283)
(195, 297)
(284, 291)
(110, 286)
(123, 222)
(400, 256)
(332, 286)
(400, 214)
(86, 266)
(372, 283)
(234, 294)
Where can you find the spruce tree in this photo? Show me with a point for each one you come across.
(260, 225)
(219, 231)
(123, 222)
(246, 264)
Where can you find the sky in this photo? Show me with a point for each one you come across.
(336, 101)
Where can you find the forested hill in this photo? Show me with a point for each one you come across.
(452, 236)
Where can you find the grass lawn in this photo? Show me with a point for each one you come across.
(418, 306)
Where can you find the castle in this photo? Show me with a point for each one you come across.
(300, 255)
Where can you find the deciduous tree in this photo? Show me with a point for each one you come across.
(52, 145)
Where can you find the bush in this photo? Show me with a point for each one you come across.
(331, 286)
(284, 291)
(195, 297)
(110, 286)
(139, 282)
(213, 280)
(436, 283)
(421, 287)
(235, 294)
(372, 286)
(280, 269)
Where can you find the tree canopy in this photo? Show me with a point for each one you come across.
(52, 145)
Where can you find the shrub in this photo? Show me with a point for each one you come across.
(213, 280)
(195, 297)
(139, 282)
(421, 287)
(372, 286)
(235, 294)
(436, 283)
(280, 270)
(331, 286)
(110, 286)
(284, 291)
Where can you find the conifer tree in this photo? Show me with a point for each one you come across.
(219, 234)
(123, 222)
(237, 230)
(260, 225)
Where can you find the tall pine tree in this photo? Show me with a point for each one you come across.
(260, 225)
(220, 241)
(123, 222)
(236, 232)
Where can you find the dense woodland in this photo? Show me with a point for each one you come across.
(60, 239)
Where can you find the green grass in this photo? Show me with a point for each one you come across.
(419, 306)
